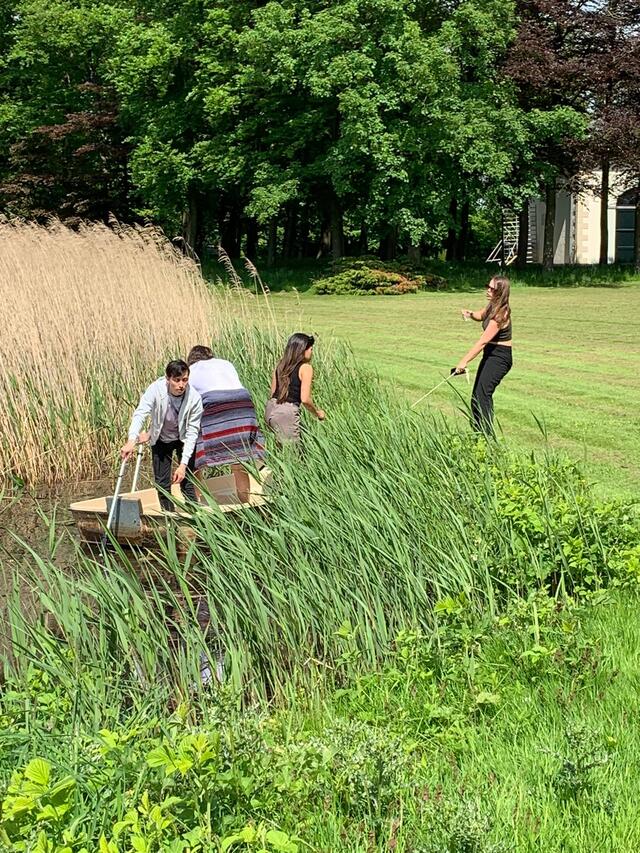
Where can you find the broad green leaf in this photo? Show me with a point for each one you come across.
(38, 771)
(140, 844)
(280, 841)
(485, 698)
(108, 846)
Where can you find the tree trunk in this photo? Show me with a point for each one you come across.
(251, 244)
(636, 244)
(549, 226)
(325, 239)
(303, 234)
(290, 232)
(190, 224)
(451, 234)
(272, 242)
(523, 235)
(363, 241)
(389, 245)
(230, 233)
(337, 230)
(604, 211)
(462, 238)
(413, 252)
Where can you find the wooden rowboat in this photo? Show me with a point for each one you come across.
(139, 519)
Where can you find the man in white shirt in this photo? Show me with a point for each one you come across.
(229, 431)
(175, 410)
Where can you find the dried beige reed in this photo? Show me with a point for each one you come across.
(234, 278)
(90, 318)
(255, 277)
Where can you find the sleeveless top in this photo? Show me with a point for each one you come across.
(503, 335)
(294, 393)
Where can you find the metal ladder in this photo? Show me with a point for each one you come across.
(511, 237)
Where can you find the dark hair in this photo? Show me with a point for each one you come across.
(176, 369)
(500, 310)
(291, 360)
(199, 353)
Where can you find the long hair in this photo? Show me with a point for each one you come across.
(291, 360)
(500, 309)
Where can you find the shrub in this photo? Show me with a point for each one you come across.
(539, 512)
(378, 278)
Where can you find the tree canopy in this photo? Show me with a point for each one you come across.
(305, 126)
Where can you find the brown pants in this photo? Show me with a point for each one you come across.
(284, 420)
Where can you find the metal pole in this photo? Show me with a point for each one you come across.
(435, 388)
(114, 501)
(136, 472)
(502, 240)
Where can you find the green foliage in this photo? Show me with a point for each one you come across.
(593, 536)
(211, 776)
(439, 685)
(373, 277)
(443, 513)
(585, 751)
(260, 838)
(396, 672)
(380, 112)
(34, 799)
(458, 826)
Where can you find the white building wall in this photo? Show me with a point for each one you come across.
(588, 229)
(536, 250)
(577, 231)
(563, 233)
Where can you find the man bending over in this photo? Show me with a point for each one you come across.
(175, 410)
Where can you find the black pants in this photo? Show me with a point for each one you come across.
(496, 363)
(161, 455)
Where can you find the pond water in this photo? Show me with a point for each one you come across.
(27, 517)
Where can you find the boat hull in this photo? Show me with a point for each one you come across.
(141, 520)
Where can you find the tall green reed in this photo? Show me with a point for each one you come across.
(385, 513)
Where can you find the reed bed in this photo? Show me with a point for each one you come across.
(91, 316)
(390, 517)
(388, 512)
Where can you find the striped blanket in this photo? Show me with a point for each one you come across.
(229, 430)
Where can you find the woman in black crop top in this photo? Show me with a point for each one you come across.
(495, 343)
(291, 388)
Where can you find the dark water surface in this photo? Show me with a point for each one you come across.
(40, 520)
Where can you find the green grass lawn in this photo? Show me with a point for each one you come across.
(576, 363)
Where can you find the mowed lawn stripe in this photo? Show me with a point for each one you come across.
(576, 363)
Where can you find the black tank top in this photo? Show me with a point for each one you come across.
(503, 335)
(293, 394)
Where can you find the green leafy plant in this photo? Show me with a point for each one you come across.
(35, 798)
(585, 752)
(259, 838)
(374, 277)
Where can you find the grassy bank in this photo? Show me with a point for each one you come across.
(511, 733)
(412, 656)
(576, 363)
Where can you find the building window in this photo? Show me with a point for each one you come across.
(625, 227)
